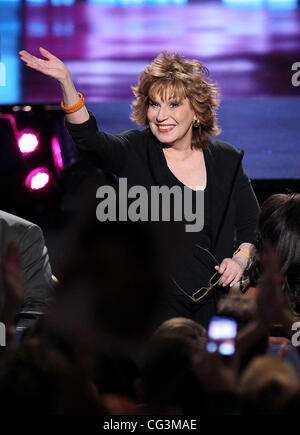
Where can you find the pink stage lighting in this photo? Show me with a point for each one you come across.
(56, 152)
(28, 141)
(37, 179)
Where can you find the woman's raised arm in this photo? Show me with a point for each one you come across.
(53, 67)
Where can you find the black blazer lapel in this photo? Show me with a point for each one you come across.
(157, 162)
(222, 169)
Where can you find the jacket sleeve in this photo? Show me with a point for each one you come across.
(106, 151)
(247, 209)
(36, 268)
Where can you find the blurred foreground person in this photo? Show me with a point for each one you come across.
(279, 223)
(36, 380)
(111, 277)
(267, 385)
(35, 267)
(182, 327)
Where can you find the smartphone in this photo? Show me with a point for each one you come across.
(221, 335)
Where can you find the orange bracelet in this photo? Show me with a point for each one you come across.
(242, 251)
(75, 107)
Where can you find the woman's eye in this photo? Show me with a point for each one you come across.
(174, 104)
(152, 103)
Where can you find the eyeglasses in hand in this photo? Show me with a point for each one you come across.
(202, 291)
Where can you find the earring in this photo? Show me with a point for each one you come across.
(196, 123)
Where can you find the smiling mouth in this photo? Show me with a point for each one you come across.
(165, 128)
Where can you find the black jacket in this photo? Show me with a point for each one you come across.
(138, 156)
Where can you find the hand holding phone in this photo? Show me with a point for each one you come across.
(222, 332)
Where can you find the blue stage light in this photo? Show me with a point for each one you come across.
(138, 2)
(10, 29)
(282, 4)
(62, 2)
(248, 3)
(272, 4)
(37, 29)
(37, 1)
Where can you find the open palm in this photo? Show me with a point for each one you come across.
(50, 66)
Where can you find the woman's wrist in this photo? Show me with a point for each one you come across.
(70, 95)
(244, 254)
(241, 259)
(72, 98)
(66, 81)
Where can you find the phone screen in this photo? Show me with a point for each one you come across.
(221, 333)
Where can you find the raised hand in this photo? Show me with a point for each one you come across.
(50, 66)
(214, 373)
(270, 299)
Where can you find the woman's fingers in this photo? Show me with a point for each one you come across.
(231, 272)
(236, 280)
(231, 279)
(226, 278)
(36, 67)
(47, 53)
(50, 66)
(222, 267)
(39, 66)
(33, 60)
(27, 56)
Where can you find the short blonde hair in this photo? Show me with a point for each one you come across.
(184, 79)
(267, 384)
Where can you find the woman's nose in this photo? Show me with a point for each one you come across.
(162, 114)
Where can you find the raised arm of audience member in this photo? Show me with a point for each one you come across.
(272, 303)
(218, 380)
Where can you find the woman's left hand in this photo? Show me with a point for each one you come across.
(231, 272)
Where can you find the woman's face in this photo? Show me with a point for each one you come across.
(171, 120)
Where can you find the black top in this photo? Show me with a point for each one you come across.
(230, 203)
(195, 263)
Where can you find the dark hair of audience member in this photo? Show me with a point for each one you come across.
(292, 405)
(279, 222)
(114, 371)
(169, 381)
(37, 380)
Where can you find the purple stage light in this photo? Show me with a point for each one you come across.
(37, 179)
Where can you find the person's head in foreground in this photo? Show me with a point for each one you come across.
(168, 378)
(176, 100)
(279, 222)
(182, 327)
(267, 385)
